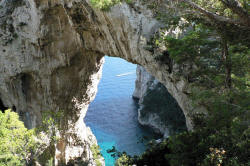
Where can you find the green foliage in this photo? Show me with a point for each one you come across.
(218, 53)
(222, 139)
(50, 162)
(50, 123)
(47, 132)
(216, 133)
(17, 142)
(194, 46)
(20, 146)
(104, 4)
(124, 160)
(95, 149)
(107, 4)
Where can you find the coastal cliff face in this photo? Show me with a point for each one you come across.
(158, 109)
(51, 55)
(143, 82)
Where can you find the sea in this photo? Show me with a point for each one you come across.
(112, 116)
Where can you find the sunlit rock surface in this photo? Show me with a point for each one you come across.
(51, 58)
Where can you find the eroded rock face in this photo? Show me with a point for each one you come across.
(143, 82)
(51, 57)
(158, 109)
(45, 66)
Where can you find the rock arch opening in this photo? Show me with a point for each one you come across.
(125, 90)
(62, 53)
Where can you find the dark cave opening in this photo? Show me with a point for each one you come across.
(2, 106)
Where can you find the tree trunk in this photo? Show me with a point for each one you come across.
(227, 63)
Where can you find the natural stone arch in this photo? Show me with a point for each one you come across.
(55, 48)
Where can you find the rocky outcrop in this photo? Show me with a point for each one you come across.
(45, 66)
(143, 82)
(51, 54)
(158, 109)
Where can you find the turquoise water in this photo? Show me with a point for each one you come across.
(112, 116)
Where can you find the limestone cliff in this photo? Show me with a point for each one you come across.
(143, 82)
(158, 109)
(51, 54)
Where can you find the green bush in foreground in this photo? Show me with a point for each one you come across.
(17, 143)
(95, 149)
(20, 146)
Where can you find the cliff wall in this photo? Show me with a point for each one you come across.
(158, 109)
(51, 55)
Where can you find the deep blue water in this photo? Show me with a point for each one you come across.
(112, 116)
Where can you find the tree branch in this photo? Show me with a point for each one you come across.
(235, 6)
(212, 16)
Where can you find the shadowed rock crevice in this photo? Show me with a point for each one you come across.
(26, 81)
(23, 92)
(2, 107)
(158, 109)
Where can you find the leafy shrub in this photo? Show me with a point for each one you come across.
(17, 143)
(95, 149)
(20, 146)
(106, 4)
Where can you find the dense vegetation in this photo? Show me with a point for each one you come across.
(214, 39)
(21, 146)
(95, 149)
(15, 140)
